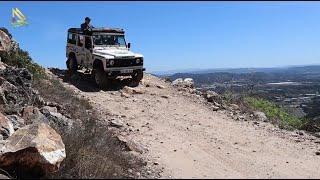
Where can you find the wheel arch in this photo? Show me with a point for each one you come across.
(98, 63)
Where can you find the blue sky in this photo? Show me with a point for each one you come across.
(180, 35)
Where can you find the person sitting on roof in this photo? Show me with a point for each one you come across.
(86, 27)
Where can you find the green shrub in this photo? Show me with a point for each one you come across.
(275, 113)
(21, 59)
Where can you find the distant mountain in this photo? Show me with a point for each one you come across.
(288, 69)
(263, 75)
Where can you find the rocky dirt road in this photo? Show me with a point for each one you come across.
(186, 139)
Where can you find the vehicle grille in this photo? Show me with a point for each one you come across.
(124, 63)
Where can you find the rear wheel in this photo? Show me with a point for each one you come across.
(100, 78)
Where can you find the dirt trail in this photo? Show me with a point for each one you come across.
(188, 140)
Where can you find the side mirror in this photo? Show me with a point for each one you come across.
(129, 45)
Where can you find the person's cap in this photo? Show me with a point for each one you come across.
(87, 19)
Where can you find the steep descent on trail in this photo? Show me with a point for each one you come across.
(184, 138)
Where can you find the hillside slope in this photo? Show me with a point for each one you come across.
(178, 134)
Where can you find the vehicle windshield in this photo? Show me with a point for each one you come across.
(109, 40)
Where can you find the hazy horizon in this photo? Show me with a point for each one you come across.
(190, 70)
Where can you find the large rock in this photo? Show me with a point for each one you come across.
(56, 119)
(260, 116)
(32, 114)
(130, 90)
(189, 82)
(186, 83)
(177, 82)
(48, 109)
(5, 40)
(212, 96)
(32, 151)
(17, 121)
(6, 127)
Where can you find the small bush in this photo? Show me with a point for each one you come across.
(21, 59)
(275, 113)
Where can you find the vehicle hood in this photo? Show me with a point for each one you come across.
(115, 53)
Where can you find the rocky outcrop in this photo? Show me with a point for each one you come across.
(187, 86)
(185, 83)
(16, 91)
(5, 40)
(6, 127)
(17, 121)
(7, 43)
(32, 114)
(34, 150)
(29, 147)
(55, 118)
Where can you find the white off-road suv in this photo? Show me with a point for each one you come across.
(105, 53)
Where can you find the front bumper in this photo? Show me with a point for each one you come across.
(123, 71)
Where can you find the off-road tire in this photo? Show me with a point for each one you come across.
(136, 78)
(72, 64)
(100, 78)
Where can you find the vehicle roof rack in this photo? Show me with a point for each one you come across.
(106, 30)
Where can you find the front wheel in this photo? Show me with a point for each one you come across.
(72, 64)
(100, 78)
(136, 78)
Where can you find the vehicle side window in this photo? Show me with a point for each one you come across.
(72, 38)
(80, 40)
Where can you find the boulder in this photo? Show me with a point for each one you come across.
(234, 107)
(56, 119)
(123, 94)
(48, 109)
(17, 121)
(16, 91)
(177, 82)
(32, 114)
(261, 116)
(116, 123)
(215, 108)
(3, 66)
(32, 151)
(130, 90)
(131, 145)
(211, 96)
(5, 40)
(6, 126)
(186, 83)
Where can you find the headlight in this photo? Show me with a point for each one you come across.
(137, 61)
(111, 62)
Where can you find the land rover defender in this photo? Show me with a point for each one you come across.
(104, 53)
